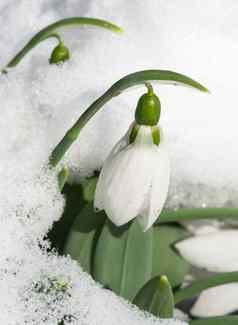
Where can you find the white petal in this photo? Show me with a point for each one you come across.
(99, 193)
(127, 183)
(217, 301)
(159, 190)
(216, 252)
(202, 227)
(144, 136)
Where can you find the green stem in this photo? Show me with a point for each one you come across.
(49, 31)
(198, 286)
(140, 77)
(197, 213)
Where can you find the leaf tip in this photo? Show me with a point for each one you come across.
(119, 29)
(164, 280)
(206, 90)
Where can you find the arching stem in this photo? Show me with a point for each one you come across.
(50, 31)
(140, 77)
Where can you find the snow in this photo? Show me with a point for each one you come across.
(48, 289)
(40, 102)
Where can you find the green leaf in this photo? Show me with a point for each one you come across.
(156, 297)
(200, 285)
(62, 178)
(137, 78)
(223, 320)
(73, 205)
(82, 237)
(89, 187)
(197, 213)
(165, 260)
(123, 258)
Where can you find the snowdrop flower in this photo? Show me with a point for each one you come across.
(134, 179)
(216, 252)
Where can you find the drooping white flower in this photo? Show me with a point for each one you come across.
(216, 252)
(134, 180)
(217, 301)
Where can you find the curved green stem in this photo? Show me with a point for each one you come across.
(198, 286)
(197, 213)
(140, 77)
(49, 31)
(30, 45)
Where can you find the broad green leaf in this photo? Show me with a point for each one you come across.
(74, 203)
(123, 258)
(83, 234)
(156, 297)
(223, 320)
(89, 187)
(165, 260)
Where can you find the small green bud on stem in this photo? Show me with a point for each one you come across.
(62, 53)
(148, 108)
(59, 54)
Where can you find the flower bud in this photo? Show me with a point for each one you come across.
(59, 54)
(148, 109)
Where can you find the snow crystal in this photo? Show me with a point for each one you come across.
(40, 102)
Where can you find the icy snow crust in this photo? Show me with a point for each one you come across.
(40, 102)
